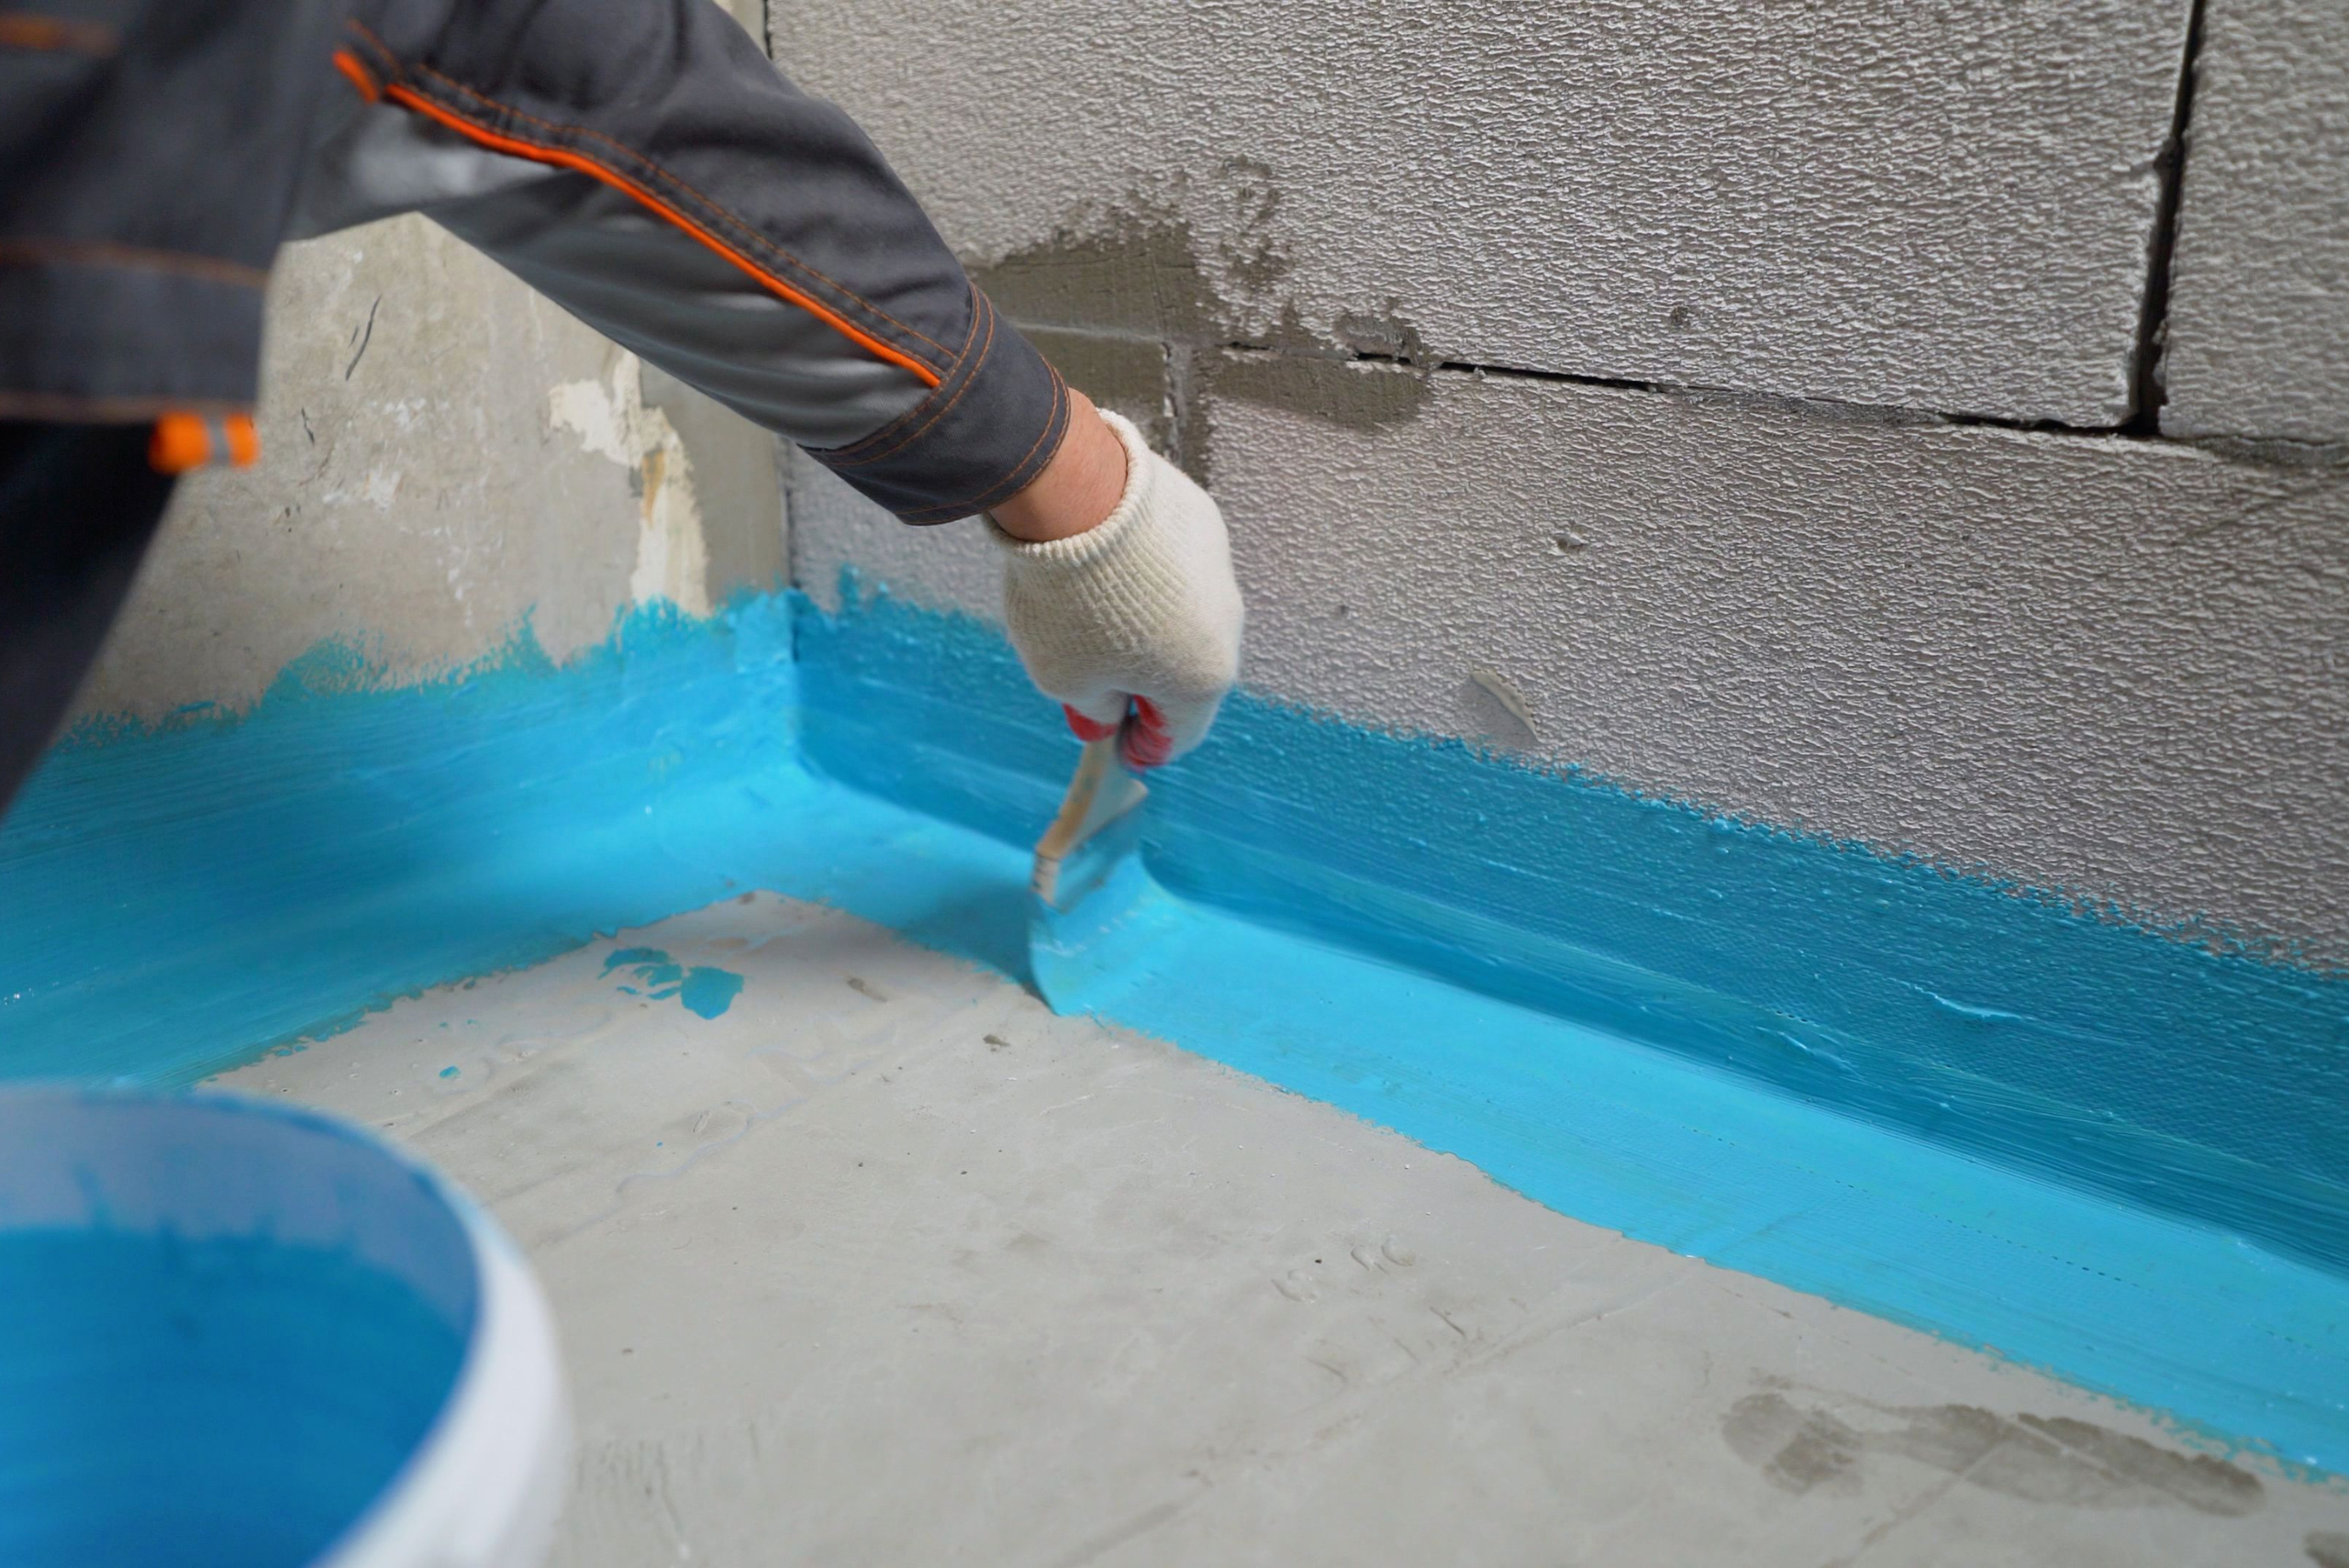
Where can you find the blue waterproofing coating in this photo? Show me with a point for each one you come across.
(193, 1370)
(2211, 1086)
(1786, 1056)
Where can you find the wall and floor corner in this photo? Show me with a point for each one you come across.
(1772, 724)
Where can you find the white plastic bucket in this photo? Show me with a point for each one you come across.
(236, 1333)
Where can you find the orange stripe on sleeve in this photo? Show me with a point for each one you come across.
(580, 163)
(361, 77)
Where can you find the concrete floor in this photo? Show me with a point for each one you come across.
(887, 1264)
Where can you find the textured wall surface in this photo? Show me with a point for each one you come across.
(2108, 666)
(443, 454)
(2259, 307)
(1943, 206)
(2111, 667)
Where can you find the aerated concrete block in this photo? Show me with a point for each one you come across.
(1946, 206)
(2093, 664)
(2259, 303)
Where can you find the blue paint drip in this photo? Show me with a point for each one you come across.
(709, 992)
(1851, 1073)
(701, 989)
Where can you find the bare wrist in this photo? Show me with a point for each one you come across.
(1077, 489)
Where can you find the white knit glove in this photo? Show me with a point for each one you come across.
(1136, 621)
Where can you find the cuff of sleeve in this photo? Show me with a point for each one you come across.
(123, 343)
(981, 437)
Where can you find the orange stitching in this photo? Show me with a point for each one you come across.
(104, 253)
(360, 78)
(1011, 484)
(855, 453)
(1059, 416)
(19, 31)
(387, 65)
(970, 380)
(567, 159)
(738, 224)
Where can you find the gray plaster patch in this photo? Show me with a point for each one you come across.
(1509, 718)
(1125, 374)
(1353, 395)
(1133, 269)
(1111, 279)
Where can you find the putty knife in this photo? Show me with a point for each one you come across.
(1089, 894)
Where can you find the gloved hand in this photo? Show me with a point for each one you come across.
(1135, 621)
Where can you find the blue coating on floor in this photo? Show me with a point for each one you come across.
(2096, 1149)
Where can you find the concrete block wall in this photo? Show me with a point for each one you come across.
(2259, 307)
(1943, 206)
(1749, 405)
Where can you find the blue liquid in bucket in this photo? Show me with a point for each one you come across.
(225, 1328)
(224, 1401)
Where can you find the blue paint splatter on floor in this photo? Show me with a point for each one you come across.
(709, 992)
(704, 990)
(447, 1072)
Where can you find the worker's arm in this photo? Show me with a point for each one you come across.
(641, 163)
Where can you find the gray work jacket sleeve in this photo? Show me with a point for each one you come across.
(150, 151)
(643, 164)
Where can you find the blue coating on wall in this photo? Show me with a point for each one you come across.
(1851, 1074)
(2208, 1086)
(174, 898)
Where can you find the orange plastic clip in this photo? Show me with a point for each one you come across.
(185, 441)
